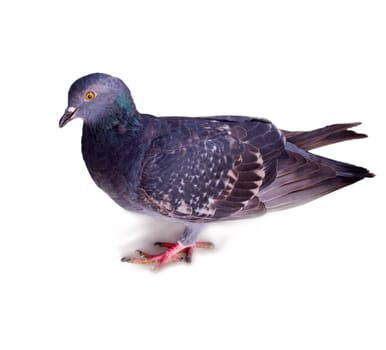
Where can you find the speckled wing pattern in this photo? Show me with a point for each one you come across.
(210, 168)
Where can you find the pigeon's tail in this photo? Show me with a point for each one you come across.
(328, 135)
(303, 177)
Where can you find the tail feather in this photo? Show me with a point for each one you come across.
(303, 177)
(327, 135)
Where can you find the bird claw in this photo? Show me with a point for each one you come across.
(160, 244)
(126, 259)
(140, 253)
(175, 252)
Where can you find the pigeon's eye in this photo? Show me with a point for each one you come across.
(89, 95)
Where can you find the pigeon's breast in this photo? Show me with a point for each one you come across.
(113, 162)
(115, 184)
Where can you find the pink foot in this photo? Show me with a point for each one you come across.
(175, 252)
(188, 250)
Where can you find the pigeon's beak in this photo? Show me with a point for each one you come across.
(69, 114)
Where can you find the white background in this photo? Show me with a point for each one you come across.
(309, 278)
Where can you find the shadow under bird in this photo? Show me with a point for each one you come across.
(199, 170)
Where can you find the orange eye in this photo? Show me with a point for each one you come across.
(89, 95)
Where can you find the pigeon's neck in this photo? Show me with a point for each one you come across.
(117, 121)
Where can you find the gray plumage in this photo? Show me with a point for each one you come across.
(200, 170)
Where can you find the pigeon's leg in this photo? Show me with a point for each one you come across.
(188, 250)
(175, 251)
(146, 258)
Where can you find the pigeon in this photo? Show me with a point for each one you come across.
(198, 170)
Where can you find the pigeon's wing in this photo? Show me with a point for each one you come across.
(210, 169)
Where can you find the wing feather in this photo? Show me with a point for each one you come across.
(210, 169)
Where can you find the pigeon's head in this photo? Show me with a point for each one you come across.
(96, 97)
